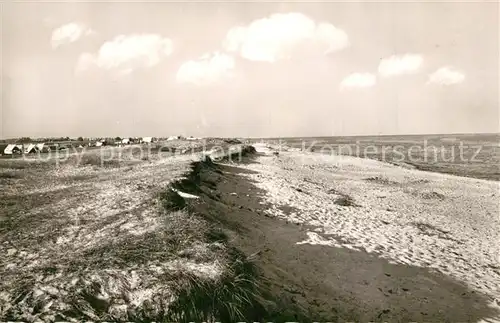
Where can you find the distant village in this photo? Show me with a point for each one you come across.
(44, 145)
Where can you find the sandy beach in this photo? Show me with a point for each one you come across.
(441, 222)
(412, 217)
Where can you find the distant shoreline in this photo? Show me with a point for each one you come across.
(466, 155)
(382, 135)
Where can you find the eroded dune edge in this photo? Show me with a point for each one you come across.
(266, 238)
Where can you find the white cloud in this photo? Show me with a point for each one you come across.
(68, 33)
(446, 76)
(358, 80)
(207, 69)
(400, 64)
(126, 53)
(279, 36)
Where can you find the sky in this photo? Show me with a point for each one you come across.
(248, 69)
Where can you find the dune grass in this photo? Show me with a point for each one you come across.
(235, 296)
(102, 245)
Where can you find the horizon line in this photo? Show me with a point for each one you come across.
(275, 137)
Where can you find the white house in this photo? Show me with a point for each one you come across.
(126, 141)
(147, 140)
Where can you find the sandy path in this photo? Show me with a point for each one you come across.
(423, 219)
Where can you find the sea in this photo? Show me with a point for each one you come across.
(470, 155)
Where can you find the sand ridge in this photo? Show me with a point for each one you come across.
(71, 236)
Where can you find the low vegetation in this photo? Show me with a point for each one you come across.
(235, 296)
(345, 200)
(10, 175)
(83, 239)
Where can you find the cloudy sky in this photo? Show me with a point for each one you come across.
(249, 68)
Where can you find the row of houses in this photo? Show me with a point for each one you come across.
(181, 138)
(120, 142)
(12, 149)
